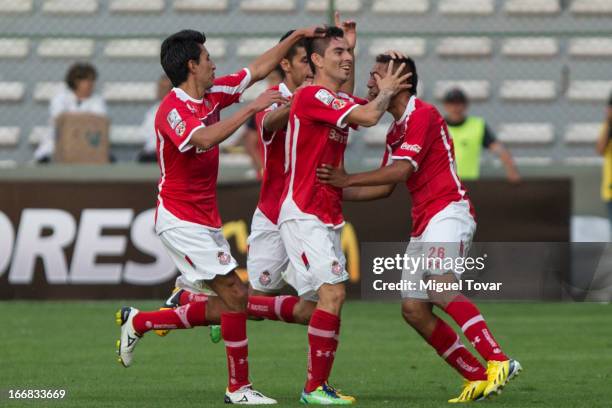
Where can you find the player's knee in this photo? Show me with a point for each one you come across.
(331, 297)
(303, 311)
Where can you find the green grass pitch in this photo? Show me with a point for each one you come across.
(565, 349)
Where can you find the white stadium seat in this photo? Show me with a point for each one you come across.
(129, 91)
(531, 161)
(8, 164)
(15, 6)
(465, 47)
(11, 91)
(249, 48)
(254, 91)
(234, 160)
(70, 6)
(467, 7)
(526, 133)
(66, 48)
(591, 7)
(584, 161)
(590, 91)
(267, 6)
(591, 47)
(133, 48)
(44, 91)
(344, 6)
(582, 133)
(200, 5)
(400, 6)
(14, 47)
(525, 90)
(217, 47)
(126, 135)
(376, 135)
(414, 47)
(136, 6)
(524, 7)
(476, 90)
(9, 135)
(530, 47)
(37, 133)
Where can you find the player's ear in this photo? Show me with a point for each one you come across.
(191, 66)
(285, 65)
(317, 59)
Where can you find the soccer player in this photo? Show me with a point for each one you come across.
(310, 218)
(189, 129)
(420, 154)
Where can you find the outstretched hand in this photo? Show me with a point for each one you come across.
(349, 27)
(268, 98)
(393, 82)
(334, 176)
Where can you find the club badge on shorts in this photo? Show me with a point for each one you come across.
(265, 278)
(336, 268)
(224, 258)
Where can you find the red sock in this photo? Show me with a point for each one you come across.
(448, 346)
(233, 330)
(322, 344)
(273, 307)
(183, 317)
(468, 317)
(189, 297)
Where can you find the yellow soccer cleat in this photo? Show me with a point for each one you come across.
(472, 391)
(499, 373)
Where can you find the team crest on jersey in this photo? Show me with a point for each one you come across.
(411, 147)
(324, 96)
(338, 104)
(224, 258)
(173, 118)
(336, 268)
(265, 278)
(180, 128)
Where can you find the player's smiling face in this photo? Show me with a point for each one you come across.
(205, 69)
(338, 61)
(379, 70)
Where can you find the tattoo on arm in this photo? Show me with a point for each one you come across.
(383, 101)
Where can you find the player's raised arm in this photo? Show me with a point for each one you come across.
(349, 27)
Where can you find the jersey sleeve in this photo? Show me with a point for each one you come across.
(179, 124)
(320, 105)
(227, 90)
(415, 144)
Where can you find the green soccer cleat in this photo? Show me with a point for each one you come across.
(326, 395)
(215, 333)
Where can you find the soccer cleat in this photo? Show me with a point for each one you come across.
(247, 396)
(472, 391)
(499, 373)
(337, 391)
(171, 303)
(326, 395)
(128, 339)
(215, 333)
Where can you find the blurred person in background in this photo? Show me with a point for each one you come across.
(77, 96)
(604, 148)
(147, 130)
(470, 134)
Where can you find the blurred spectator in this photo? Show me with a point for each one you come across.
(470, 134)
(604, 148)
(147, 129)
(77, 96)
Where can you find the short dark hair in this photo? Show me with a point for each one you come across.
(177, 50)
(78, 72)
(318, 45)
(410, 67)
(455, 95)
(292, 51)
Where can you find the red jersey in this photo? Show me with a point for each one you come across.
(421, 137)
(316, 136)
(188, 182)
(272, 146)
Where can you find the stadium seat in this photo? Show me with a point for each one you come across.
(528, 90)
(66, 48)
(400, 6)
(267, 6)
(376, 135)
(70, 6)
(37, 133)
(200, 5)
(44, 91)
(476, 90)
(466, 7)
(11, 91)
(530, 47)
(249, 48)
(9, 136)
(15, 6)
(582, 133)
(526, 133)
(344, 6)
(531, 161)
(465, 47)
(136, 6)
(14, 47)
(234, 160)
(589, 91)
(129, 91)
(591, 47)
(8, 164)
(136, 48)
(217, 47)
(414, 47)
(126, 135)
(255, 90)
(584, 161)
(525, 7)
(591, 7)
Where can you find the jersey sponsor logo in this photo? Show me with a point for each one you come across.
(265, 278)
(324, 96)
(174, 118)
(338, 104)
(180, 128)
(224, 258)
(411, 147)
(338, 136)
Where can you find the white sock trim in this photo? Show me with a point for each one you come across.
(321, 333)
(241, 343)
(472, 322)
(456, 345)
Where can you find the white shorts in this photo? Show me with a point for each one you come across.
(315, 255)
(200, 254)
(448, 234)
(267, 258)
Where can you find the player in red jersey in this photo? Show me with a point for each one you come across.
(420, 154)
(310, 218)
(189, 129)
